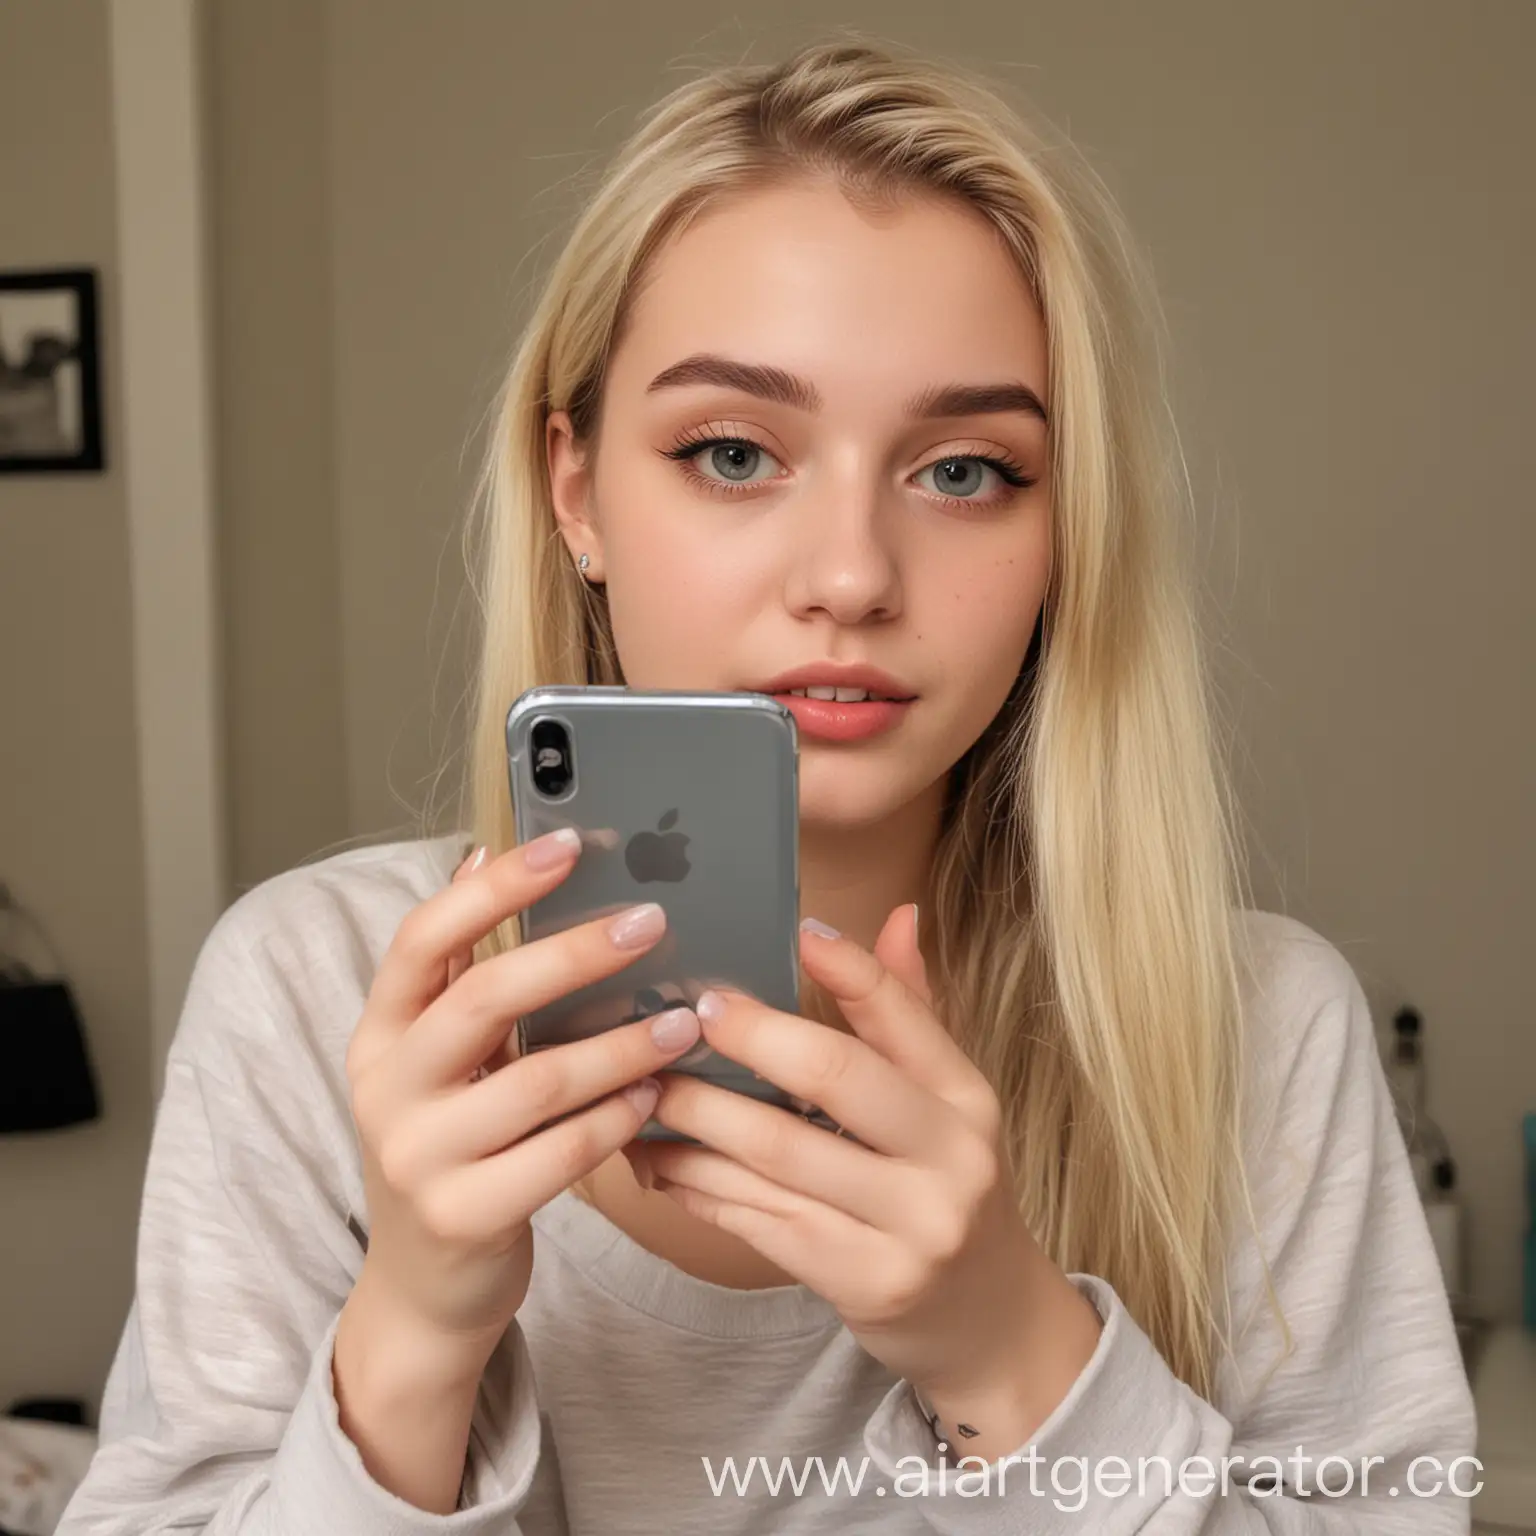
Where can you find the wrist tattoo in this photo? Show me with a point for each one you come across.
(967, 1431)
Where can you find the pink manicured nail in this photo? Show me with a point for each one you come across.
(553, 849)
(820, 929)
(672, 1030)
(640, 925)
(709, 1007)
(643, 1095)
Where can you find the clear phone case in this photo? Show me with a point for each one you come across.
(686, 799)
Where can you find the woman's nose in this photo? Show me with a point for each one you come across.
(843, 565)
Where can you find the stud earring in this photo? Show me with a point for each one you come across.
(583, 563)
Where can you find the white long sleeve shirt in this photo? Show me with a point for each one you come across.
(629, 1396)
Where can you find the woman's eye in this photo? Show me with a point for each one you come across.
(961, 478)
(734, 463)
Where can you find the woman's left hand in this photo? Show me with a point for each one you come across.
(915, 1236)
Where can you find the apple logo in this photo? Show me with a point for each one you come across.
(658, 855)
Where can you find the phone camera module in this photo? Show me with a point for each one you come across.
(554, 766)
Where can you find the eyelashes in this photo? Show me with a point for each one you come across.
(690, 442)
(691, 446)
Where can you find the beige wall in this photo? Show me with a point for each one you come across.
(270, 229)
(69, 804)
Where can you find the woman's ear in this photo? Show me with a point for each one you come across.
(570, 489)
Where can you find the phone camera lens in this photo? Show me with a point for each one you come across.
(553, 768)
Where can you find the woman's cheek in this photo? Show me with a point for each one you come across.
(992, 620)
(677, 610)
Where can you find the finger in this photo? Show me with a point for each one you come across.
(819, 1247)
(496, 1193)
(838, 1072)
(457, 918)
(770, 1235)
(887, 1014)
(463, 1027)
(784, 1149)
(714, 1174)
(483, 1118)
(896, 949)
(460, 960)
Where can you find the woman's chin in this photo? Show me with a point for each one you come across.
(845, 797)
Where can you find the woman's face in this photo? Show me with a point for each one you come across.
(822, 463)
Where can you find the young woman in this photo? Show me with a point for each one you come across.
(844, 384)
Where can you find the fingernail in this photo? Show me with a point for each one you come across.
(553, 849)
(820, 929)
(709, 1007)
(643, 1095)
(675, 1028)
(914, 922)
(640, 925)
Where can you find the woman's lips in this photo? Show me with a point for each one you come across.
(831, 720)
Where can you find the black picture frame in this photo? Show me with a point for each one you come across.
(50, 373)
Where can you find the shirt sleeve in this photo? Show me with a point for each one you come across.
(1365, 1425)
(219, 1414)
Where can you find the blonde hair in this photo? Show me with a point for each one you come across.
(1086, 880)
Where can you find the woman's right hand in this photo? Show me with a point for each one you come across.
(454, 1167)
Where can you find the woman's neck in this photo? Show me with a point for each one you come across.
(854, 878)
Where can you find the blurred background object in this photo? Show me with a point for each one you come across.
(46, 1079)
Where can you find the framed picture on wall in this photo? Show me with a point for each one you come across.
(50, 373)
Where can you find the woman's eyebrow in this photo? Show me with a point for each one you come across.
(775, 384)
(977, 400)
(750, 378)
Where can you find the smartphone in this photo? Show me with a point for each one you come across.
(686, 799)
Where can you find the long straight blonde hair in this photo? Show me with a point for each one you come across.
(1086, 880)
